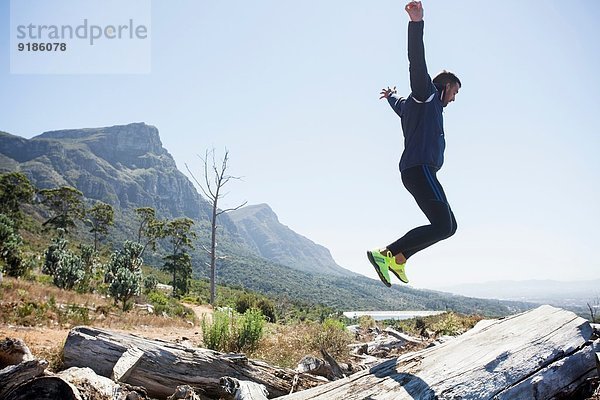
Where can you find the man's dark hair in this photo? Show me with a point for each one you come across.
(445, 77)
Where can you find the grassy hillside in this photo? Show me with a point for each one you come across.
(243, 269)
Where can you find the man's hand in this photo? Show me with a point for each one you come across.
(415, 11)
(385, 93)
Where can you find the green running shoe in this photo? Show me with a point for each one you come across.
(397, 269)
(380, 263)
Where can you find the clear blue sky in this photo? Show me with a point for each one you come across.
(291, 89)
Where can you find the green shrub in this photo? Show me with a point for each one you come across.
(333, 337)
(66, 268)
(150, 283)
(449, 324)
(191, 299)
(43, 279)
(92, 268)
(124, 273)
(216, 334)
(157, 298)
(54, 253)
(69, 271)
(10, 248)
(165, 305)
(244, 302)
(77, 315)
(267, 308)
(366, 322)
(230, 331)
(249, 330)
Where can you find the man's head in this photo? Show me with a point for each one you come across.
(451, 85)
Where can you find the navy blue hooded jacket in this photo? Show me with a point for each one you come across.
(421, 113)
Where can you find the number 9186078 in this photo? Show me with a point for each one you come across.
(42, 46)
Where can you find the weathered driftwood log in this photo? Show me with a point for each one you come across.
(164, 366)
(13, 376)
(28, 380)
(46, 388)
(380, 346)
(537, 355)
(234, 389)
(403, 336)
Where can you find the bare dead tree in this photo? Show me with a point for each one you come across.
(215, 178)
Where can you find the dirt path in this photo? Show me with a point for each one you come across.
(202, 311)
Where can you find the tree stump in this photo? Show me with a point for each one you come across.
(537, 355)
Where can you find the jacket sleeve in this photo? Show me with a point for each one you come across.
(397, 103)
(420, 81)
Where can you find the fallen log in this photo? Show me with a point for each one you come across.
(29, 380)
(381, 346)
(13, 376)
(46, 388)
(71, 384)
(402, 336)
(234, 389)
(541, 354)
(164, 366)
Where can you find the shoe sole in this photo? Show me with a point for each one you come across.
(374, 264)
(398, 276)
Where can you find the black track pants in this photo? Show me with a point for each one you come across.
(422, 183)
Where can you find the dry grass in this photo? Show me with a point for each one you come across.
(42, 314)
(448, 323)
(27, 303)
(18, 290)
(286, 345)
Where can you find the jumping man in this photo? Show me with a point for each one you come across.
(421, 114)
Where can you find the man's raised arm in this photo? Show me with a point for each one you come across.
(420, 81)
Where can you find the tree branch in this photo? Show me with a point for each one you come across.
(232, 209)
(196, 180)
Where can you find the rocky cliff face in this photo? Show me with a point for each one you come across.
(261, 230)
(125, 166)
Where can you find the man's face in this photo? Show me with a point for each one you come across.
(450, 93)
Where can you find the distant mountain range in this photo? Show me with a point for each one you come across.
(536, 291)
(127, 167)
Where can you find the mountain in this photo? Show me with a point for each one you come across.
(261, 230)
(127, 167)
